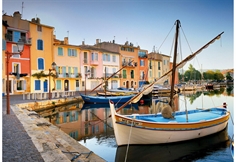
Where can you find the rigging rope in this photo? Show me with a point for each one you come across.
(166, 37)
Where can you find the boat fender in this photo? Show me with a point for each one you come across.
(224, 105)
(167, 112)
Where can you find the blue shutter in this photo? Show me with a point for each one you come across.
(64, 117)
(58, 84)
(39, 44)
(75, 53)
(16, 36)
(69, 54)
(3, 44)
(40, 64)
(37, 84)
(76, 71)
(64, 71)
(76, 115)
(69, 71)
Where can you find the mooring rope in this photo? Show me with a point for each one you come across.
(129, 140)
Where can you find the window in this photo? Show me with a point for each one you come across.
(16, 67)
(132, 74)
(72, 52)
(60, 51)
(142, 63)
(37, 85)
(20, 85)
(114, 58)
(58, 85)
(40, 44)
(150, 74)
(94, 57)
(85, 57)
(104, 57)
(40, 64)
(124, 74)
(15, 50)
(159, 66)
(77, 83)
(39, 28)
(107, 57)
(16, 36)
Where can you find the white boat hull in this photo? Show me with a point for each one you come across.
(136, 131)
(127, 135)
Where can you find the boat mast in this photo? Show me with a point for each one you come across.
(174, 63)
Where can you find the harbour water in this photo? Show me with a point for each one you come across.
(91, 126)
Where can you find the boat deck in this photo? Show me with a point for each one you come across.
(193, 116)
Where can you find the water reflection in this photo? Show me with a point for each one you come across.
(91, 122)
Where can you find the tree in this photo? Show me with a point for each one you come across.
(228, 76)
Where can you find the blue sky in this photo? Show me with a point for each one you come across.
(143, 22)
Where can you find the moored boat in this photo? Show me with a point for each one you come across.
(105, 99)
(168, 126)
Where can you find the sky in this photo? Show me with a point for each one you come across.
(147, 23)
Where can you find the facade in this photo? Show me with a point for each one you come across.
(128, 52)
(41, 56)
(91, 66)
(69, 71)
(143, 67)
(19, 65)
(158, 65)
(79, 67)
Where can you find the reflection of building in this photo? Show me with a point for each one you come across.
(80, 124)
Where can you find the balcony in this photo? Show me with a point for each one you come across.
(94, 62)
(129, 64)
(9, 37)
(69, 75)
(110, 74)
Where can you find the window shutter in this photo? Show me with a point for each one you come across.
(64, 71)
(76, 71)
(68, 52)
(75, 53)
(14, 85)
(24, 84)
(16, 36)
(3, 44)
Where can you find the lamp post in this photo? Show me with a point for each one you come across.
(86, 74)
(52, 69)
(20, 46)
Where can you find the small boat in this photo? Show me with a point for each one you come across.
(122, 89)
(179, 151)
(105, 99)
(168, 126)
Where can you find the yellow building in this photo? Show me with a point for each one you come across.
(41, 56)
(68, 68)
(4, 29)
(158, 65)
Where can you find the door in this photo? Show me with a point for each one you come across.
(77, 85)
(127, 84)
(66, 85)
(45, 86)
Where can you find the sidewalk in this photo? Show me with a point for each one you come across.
(17, 145)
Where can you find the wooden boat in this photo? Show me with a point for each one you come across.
(174, 151)
(168, 126)
(103, 99)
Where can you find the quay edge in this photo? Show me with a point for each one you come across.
(52, 143)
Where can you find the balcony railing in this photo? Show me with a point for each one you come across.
(109, 74)
(129, 64)
(69, 75)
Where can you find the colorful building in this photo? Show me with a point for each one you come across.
(19, 64)
(68, 68)
(41, 56)
(143, 67)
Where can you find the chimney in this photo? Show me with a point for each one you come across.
(82, 42)
(113, 41)
(66, 41)
(17, 14)
(97, 41)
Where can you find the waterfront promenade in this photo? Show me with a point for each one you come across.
(17, 145)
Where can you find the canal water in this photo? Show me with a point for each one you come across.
(91, 126)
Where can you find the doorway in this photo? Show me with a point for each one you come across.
(66, 85)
